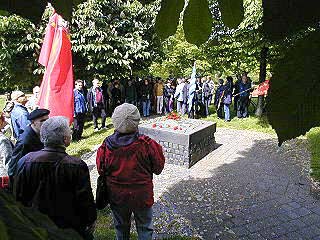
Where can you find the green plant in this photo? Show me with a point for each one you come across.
(313, 137)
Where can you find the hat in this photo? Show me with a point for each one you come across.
(40, 112)
(125, 118)
(16, 94)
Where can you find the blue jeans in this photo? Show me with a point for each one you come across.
(146, 108)
(226, 112)
(122, 222)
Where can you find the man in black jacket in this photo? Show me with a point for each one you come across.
(56, 183)
(29, 141)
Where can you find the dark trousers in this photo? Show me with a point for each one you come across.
(220, 111)
(78, 124)
(235, 105)
(96, 113)
(242, 105)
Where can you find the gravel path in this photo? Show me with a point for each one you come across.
(248, 188)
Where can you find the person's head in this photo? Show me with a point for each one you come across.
(244, 78)
(146, 82)
(129, 83)
(230, 79)
(19, 97)
(125, 118)
(3, 122)
(37, 118)
(79, 85)
(36, 91)
(179, 80)
(8, 97)
(204, 79)
(116, 84)
(95, 83)
(56, 132)
(220, 81)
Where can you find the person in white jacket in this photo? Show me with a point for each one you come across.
(179, 96)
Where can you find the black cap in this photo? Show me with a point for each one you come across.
(40, 112)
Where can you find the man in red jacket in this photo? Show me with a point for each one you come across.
(130, 160)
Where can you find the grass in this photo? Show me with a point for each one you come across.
(313, 137)
(252, 123)
(105, 230)
(90, 139)
(2, 102)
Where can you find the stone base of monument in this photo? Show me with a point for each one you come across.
(184, 141)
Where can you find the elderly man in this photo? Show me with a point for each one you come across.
(32, 104)
(19, 113)
(96, 104)
(57, 184)
(129, 160)
(29, 140)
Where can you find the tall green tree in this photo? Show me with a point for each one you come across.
(113, 38)
(20, 44)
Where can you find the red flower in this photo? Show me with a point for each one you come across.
(154, 125)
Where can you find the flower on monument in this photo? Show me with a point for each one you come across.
(173, 116)
(154, 125)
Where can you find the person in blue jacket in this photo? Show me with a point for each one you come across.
(80, 109)
(19, 114)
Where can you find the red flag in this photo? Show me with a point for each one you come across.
(262, 89)
(56, 90)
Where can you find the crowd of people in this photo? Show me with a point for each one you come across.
(36, 169)
(41, 175)
(156, 96)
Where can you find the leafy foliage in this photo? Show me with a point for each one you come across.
(283, 18)
(168, 17)
(113, 38)
(20, 45)
(18, 222)
(197, 22)
(232, 12)
(33, 9)
(228, 51)
(294, 99)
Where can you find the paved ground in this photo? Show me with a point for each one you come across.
(248, 188)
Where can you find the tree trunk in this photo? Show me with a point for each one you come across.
(262, 78)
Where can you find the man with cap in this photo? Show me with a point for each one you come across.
(29, 140)
(129, 160)
(19, 113)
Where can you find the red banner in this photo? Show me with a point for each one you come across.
(262, 89)
(56, 90)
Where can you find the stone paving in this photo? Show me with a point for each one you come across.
(248, 188)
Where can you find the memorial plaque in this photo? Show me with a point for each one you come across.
(184, 141)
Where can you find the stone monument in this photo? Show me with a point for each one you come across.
(184, 141)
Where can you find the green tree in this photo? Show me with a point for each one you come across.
(113, 38)
(178, 58)
(20, 45)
